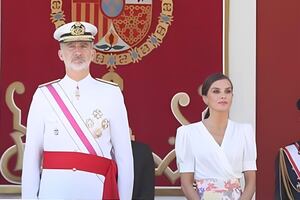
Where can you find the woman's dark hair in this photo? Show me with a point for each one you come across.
(209, 81)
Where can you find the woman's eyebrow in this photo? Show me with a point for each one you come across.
(220, 88)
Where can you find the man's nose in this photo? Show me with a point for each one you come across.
(77, 50)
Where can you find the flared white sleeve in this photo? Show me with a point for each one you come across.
(249, 162)
(183, 149)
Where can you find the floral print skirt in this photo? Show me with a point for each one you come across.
(217, 189)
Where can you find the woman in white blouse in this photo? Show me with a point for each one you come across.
(215, 153)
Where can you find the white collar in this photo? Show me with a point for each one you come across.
(67, 82)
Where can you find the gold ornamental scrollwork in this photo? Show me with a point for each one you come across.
(17, 134)
(163, 166)
(19, 88)
(57, 14)
(180, 99)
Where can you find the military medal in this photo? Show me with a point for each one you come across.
(98, 133)
(104, 125)
(97, 123)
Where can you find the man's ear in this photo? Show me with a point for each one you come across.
(60, 55)
(93, 53)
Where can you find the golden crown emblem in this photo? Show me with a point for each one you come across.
(77, 29)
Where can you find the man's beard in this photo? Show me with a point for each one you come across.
(79, 64)
(78, 67)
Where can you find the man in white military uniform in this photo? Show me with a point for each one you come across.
(77, 140)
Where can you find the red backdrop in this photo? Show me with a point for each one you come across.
(278, 61)
(191, 50)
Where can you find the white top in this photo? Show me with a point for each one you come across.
(198, 152)
(45, 132)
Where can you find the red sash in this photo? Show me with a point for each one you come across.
(88, 163)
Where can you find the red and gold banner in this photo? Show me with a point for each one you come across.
(154, 49)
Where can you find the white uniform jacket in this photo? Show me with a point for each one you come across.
(95, 101)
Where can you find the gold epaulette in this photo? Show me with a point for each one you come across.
(48, 83)
(108, 82)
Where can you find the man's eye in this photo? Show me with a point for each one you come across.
(216, 91)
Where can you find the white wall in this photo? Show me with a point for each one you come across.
(242, 59)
